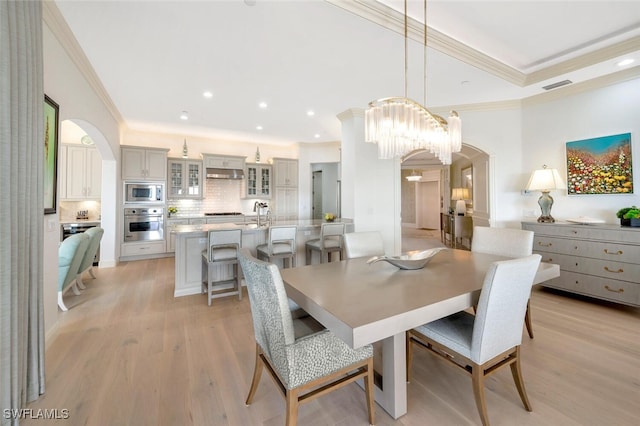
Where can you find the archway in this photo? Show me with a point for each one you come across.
(109, 187)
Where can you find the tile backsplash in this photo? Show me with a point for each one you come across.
(69, 210)
(220, 195)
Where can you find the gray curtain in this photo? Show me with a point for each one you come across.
(21, 206)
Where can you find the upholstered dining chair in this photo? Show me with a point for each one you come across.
(491, 339)
(281, 244)
(304, 368)
(330, 241)
(70, 254)
(507, 242)
(361, 244)
(222, 250)
(95, 236)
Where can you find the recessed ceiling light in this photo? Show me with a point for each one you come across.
(311, 113)
(262, 105)
(207, 94)
(184, 115)
(317, 135)
(625, 62)
(258, 127)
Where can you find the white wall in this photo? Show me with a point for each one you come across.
(66, 85)
(547, 126)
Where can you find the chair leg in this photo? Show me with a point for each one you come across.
(369, 390)
(477, 379)
(79, 281)
(516, 372)
(74, 288)
(527, 319)
(91, 272)
(257, 372)
(238, 281)
(307, 257)
(61, 304)
(292, 407)
(409, 354)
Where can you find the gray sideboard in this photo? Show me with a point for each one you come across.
(601, 261)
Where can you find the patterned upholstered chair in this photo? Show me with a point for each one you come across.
(95, 234)
(505, 242)
(489, 340)
(330, 241)
(70, 255)
(361, 244)
(304, 368)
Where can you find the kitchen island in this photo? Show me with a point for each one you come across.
(191, 240)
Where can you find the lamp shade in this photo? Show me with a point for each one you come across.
(545, 180)
(460, 194)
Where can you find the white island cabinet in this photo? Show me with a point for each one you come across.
(191, 241)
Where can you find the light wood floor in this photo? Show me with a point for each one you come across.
(128, 353)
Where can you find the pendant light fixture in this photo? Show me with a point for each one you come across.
(185, 150)
(399, 125)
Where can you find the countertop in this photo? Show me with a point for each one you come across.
(252, 227)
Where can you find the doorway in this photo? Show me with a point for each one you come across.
(428, 205)
(316, 193)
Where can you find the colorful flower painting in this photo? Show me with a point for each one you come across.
(600, 165)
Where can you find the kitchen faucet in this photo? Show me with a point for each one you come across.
(257, 206)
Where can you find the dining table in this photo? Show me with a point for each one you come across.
(364, 303)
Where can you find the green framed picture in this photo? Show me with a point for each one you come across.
(51, 119)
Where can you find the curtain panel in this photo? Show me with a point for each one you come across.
(21, 207)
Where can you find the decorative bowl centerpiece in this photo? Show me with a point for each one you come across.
(411, 260)
(329, 217)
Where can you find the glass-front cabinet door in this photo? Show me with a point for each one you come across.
(258, 181)
(185, 179)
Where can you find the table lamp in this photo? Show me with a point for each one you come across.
(459, 195)
(545, 180)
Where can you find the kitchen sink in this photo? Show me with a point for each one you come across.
(251, 225)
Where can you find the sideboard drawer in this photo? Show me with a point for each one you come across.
(592, 249)
(602, 288)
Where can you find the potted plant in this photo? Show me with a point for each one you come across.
(634, 216)
(621, 215)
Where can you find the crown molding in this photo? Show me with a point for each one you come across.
(60, 29)
(593, 84)
(604, 54)
(393, 20)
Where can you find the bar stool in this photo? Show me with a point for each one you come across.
(222, 251)
(281, 244)
(330, 240)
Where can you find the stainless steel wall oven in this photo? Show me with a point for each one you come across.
(143, 224)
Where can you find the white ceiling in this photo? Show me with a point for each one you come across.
(156, 58)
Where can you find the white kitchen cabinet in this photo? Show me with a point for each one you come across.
(286, 204)
(83, 173)
(286, 172)
(142, 250)
(171, 241)
(223, 161)
(184, 179)
(140, 163)
(258, 181)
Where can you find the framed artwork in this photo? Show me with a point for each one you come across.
(51, 119)
(600, 165)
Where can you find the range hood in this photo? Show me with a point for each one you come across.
(216, 173)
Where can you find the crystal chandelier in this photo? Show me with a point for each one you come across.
(400, 125)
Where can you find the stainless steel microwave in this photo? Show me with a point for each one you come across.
(144, 192)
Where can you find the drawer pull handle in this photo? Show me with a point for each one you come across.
(619, 252)
(544, 245)
(606, 268)
(620, 290)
